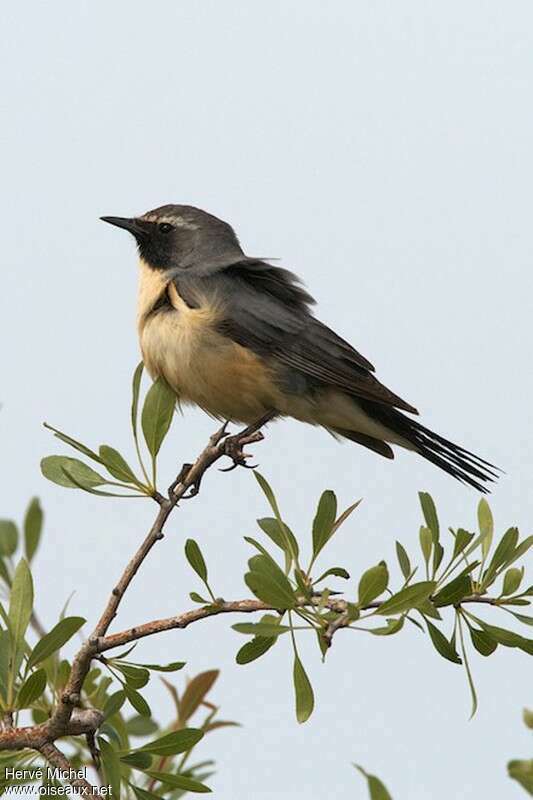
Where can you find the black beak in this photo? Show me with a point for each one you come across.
(134, 226)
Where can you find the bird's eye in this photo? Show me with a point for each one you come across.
(165, 227)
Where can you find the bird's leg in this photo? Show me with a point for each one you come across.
(233, 445)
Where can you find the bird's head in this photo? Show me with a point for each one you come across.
(174, 238)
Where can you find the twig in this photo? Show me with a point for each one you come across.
(67, 719)
(183, 620)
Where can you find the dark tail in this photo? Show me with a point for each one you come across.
(453, 459)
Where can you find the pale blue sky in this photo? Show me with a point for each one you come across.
(383, 152)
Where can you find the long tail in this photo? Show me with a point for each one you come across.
(453, 459)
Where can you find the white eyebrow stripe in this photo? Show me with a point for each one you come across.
(179, 222)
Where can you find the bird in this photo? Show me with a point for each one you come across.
(236, 336)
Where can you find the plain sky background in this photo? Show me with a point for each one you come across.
(384, 152)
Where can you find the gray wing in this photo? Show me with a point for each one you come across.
(267, 310)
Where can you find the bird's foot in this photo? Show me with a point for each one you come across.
(233, 447)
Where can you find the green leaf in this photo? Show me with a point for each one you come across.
(376, 788)
(281, 535)
(502, 554)
(178, 781)
(31, 689)
(113, 704)
(195, 692)
(116, 465)
(81, 448)
(4, 572)
(256, 648)
(136, 386)
(4, 662)
(140, 726)
(344, 516)
(462, 540)
(438, 553)
(269, 583)
(430, 514)
(426, 543)
(136, 677)
(263, 629)
(467, 668)
(373, 583)
(290, 545)
(197, 598)
(482, 641)
(442, 645)
(512, 580)
(521, 549)
(527, 716)
(20, 609)
(137, 760)
(410, 597)
(53, 641)
(157, 414)
(53, 468)
(33, 524)
(338, 572)
(144, 794)
(522, 773)
(8, 537)
(137, 701)
(268, 492)
(324, 521)
(303, 691)
(486, 526)
(394, 625)
(403, 560)
(111, 765)
(174, 666)
(453, 592)
(502, 635)
(176, 742)
(196, 559)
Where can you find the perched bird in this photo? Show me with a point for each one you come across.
(236, 336)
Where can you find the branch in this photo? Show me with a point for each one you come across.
(67, 719)
(56, 758)
(186, 618)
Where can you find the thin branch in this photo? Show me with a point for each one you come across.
(189, 478)
(186, 618)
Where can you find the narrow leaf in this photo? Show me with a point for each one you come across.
(20, 608)
(324, 520)
(377, 790)
(403, 560)
(157, 414)
(430, 514)
(373, 583)
(8, 537)
(303, 691)
(116, 465)
(442, 645)
(173, 743)
(111, 765)
(33, 523)
(196, 559)
(31, 689)
(410, 597)
(195, 692)
(55, 639)
(53, 468)
(178, 781)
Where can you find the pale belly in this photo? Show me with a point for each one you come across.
(206, 369)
